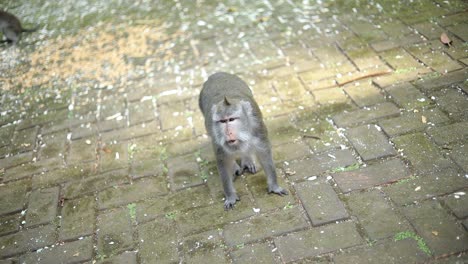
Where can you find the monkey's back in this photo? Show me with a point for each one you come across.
(10, 21)
(221, 85)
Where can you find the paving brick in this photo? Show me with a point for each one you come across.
(124, 258)
(113, 156)
(454, 102)
(330, 96)
(364, 94)
(425, 186)
(291, 150)
(441, 233)
(370, 142)
(459, 154)
(173, 115)
(146, 168)
(78, 218)
(61, 175)
(9, 223)
(95, 183)
(407, 96)
(142, 111)
(366, 115)
(114, 232)
(178, 201)
(373, 175)
(206, 247)
(460, 30)
(29, 169)
(458, 203)
(52, 145)
(27, 240)
(317, 241)
(377, 217)
(42, 206)
(447, 134)
(318, 164)
(442, 81)
(264, 226)
(184, 172)
(14, 196)
(5, 135)
(400, 59)
(402, 251)
(413, 121)
(24, 140)
(82, 150)
(438, 61)
(76, 251)
(401, 75)
(254, 253)
(15, 160)
(288, 87)
(415, 144)
(321, 202)
(139, 190)
(161, 250)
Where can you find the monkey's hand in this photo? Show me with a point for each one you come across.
(230, 201)
(249, 165)
(278, 190)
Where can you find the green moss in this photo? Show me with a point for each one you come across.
(421, 243)
(132, 211)
(355, 166)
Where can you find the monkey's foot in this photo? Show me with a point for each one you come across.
(230, 201)
(249, 165)
(278, 190)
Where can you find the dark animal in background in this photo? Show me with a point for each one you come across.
(235, 124)
(11, 27)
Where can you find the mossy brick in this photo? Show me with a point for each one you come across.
(5, 135)
(366, 115)
(82, 150)
(255, 253)
(365, 58)
(78, 218)
(160, 250)
(452, 19)
(400, 76)
(437, 60)
(366, 30)
(364, 94)
(318, 241)
(370, 142)
(441, 233)
(281, 130)
(407, 96)
(458, 203)
(113, 156)
(75, 251)
(129, 257)
(413, 121)
(291, 150)
(9, 224)
(52, 145)
(457, 132)
(372, 175)
(138, 190)
(24, 140)
(27, 240)
(414, 145)
(319, 134)
(127, 133)
(32, 168)
(184, 172)
(14, 196)
(330, 96)
(318, 164)
(15, 160)
(173, 115)
(459, 154)
(114, 232)
(454, 102)
(7, 261)
(206, 247)
(376, 215)
(142, 111)
(442, 81)
(321, 202)
(84, 130)
(425, 186)
(265, 201)
(429, 29)
(460, 30)
(43, 118)
(175, 202)
(95, 183)
(264, 226)
(214, 215)
(387, 251)
(288, 87)
(146, 168)
(400, 59)
(42, 206)
(62, 175)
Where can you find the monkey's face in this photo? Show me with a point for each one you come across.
(230, 127)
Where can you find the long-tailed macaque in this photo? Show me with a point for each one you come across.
(234, 122)
(11, 27)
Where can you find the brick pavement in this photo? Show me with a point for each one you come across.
(367, 112)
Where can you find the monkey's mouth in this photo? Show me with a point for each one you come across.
(232, 142)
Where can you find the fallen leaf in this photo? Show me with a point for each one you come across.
(106, 150)
(423, 119)
(435, 233)
(445, 39)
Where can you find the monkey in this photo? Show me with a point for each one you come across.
(11, 27)
(234, 122)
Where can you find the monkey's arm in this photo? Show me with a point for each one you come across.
(226, 166)
(266, 160)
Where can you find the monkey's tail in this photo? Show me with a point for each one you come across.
(29, 29)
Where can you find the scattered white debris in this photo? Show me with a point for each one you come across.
(417, 188)
(312, 178)
(256, 210)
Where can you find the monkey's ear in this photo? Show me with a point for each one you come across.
(247, 107)
(226, 102)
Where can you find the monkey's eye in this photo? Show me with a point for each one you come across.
(223, 120)
(232, 119)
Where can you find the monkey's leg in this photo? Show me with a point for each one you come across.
(266, 160)
(247, 162)
(225, 168)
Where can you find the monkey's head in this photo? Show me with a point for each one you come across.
(232, 124)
